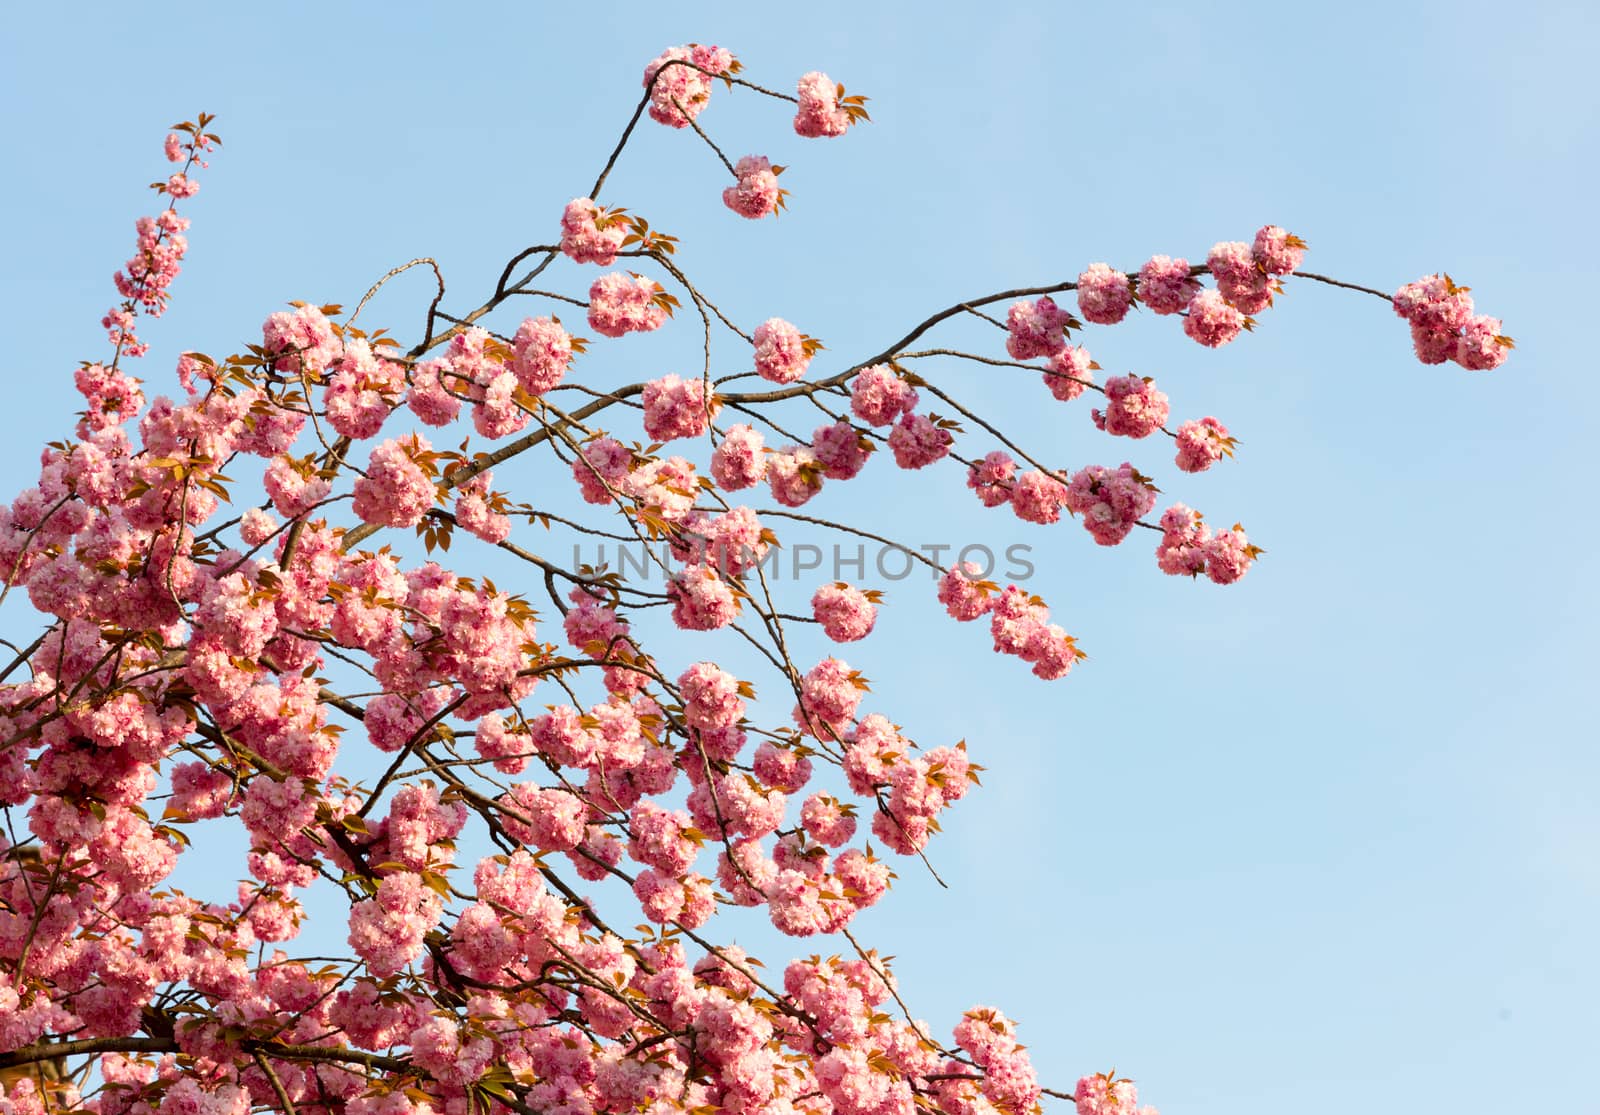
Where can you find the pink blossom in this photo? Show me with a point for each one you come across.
(1278, 252)
(1104, 295)
(1104, 1094)
(1211, 321)
(1165, 285)
(1240, 279)
(1110, 501)
(540, 353)
(549, 819)
(1229, 555)
(830, 692)
(878, 396)
(1434, 302)
(200, 791)
(387, 931)
(301, 340)
(739, 460)
(666, 486)
(112, 397)
(1037, 497)
(1202, 443)
(659, 838)
(701, 600)
(845, 612)
(622, 303)
(1434, 346)
(362, 390)
(1184, 538)
(429, 399)
(841, 450)
(918, 441)
(590, 234)
(794, 475)
(781, 767)
(781, 354)
(396, 491)
(601, 467)
(1482, 347)
(1069, 372)
(294, 486)
(256, 526)
(682, 92)
(756, 194)
(1036, 328)
(819, 114)
(1134, 407)
(711, 697)
(476, 510)
(962, 592)
(676, 408)
(825, 820)
(991, 478)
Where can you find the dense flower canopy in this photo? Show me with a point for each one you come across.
(219, 640)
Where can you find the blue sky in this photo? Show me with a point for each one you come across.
(1327, 837)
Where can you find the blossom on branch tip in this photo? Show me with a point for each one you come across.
(756, 194)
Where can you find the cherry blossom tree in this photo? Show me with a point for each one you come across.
(261, 583)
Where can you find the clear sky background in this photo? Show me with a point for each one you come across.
(1325, 839)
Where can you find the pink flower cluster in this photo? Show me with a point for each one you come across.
(1134, 407)
(1202, 443)
(301, 341)
(878, 396)
(1019, 624)
(711, 697)
(739, 461)
(794, 475)
(397, 489)
(819, 114)
(1444, 326)
(677, 408)
(991, 478)
(591, 234)
(622, 303)
(990, 1039)
(145, 279)
(1036, 328)
(756, 194)
(1165, 285)
(1188, 547)
(1110, 501)
(1240, 277)
(1069, 372)
(600, 469)
(540, 353)
(702, 600)
(1104, 1093)
(781, 354)
(829, 694)
(918, 440)
(1212, 320)
(1104, 294)
(1038, 497)
(963, 595)
(845, 612)
(841, 450)
(683, 90)
(362, 391)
